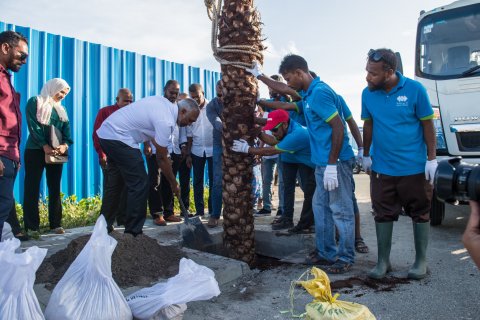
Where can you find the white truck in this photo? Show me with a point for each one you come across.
(447, 63)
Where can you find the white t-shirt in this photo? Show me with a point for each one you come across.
(201, 132)
(146, 119)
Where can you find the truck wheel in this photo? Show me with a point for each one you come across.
(437, 211)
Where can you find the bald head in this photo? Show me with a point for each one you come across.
(188, 111)
(124, 97)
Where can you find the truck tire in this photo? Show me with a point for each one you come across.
(437, 211)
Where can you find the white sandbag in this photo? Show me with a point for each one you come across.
(6, 232)
(173, 312)
(17, 276)
(87, 290)
(192, 283)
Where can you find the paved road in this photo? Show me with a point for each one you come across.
(451, 291)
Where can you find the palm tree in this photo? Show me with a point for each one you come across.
(240, 44)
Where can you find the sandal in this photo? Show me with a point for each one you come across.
(339, 267)
(314, 260)
(360, 246)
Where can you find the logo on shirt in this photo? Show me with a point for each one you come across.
(402, 101)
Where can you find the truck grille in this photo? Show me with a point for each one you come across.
(468, 141)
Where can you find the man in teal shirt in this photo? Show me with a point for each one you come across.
(398, 120)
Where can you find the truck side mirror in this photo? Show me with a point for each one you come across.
(399, 62)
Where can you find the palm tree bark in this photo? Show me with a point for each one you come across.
(239, 24)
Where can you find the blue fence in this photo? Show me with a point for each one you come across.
(95, 73)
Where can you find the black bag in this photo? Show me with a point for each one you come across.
(54, 140)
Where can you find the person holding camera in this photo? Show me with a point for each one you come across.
(44, 112)
(398, 121)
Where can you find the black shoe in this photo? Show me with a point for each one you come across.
(301, 230)
(282, 224)
(263, 212)
(279, 212)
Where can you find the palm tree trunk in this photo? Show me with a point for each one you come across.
(239, 24)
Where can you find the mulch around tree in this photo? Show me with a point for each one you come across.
(136, 261)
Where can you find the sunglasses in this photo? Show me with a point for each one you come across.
(375, 55)
(277, 127)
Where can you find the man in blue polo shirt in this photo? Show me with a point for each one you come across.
(333, 157)
(291, 141)
(398, 120)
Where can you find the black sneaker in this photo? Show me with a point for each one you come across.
(301, 230)
(279, 212)
(263, 212)
(282, 224)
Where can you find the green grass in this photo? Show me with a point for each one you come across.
(84, 212)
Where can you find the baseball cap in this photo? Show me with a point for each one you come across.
(275, 118)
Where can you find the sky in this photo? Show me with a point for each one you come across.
(333, 36)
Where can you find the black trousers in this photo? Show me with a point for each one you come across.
(112, 182)
(160, 195)
(7, 181)
(198, 164)
(34, 166)
(13, 221)
(307, 176)
(129, 162)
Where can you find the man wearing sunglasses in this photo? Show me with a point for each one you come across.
(398, 122)
(13, 54)
(291, 141)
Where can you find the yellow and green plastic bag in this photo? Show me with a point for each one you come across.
(326, 307)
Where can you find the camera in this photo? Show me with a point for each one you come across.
(456, 181)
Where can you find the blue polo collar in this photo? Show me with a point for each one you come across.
(311, 86)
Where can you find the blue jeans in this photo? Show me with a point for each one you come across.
(217, 183)
(7, 182)
(335, 208)
(268, 168)
(256, 184)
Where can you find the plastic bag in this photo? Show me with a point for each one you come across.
(6, 232)
(172, 312)
(87, 290)
(17, 276)
(192, 283)
(326, 307)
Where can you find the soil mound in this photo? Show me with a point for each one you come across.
(136, 261)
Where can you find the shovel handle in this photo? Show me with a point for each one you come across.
(182, 208)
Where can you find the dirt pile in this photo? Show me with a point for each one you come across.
(136, 261)
(381, 285)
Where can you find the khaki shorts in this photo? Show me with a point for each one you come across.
(390, 194)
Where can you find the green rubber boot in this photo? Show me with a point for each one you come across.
(384, 244)
(421, 232)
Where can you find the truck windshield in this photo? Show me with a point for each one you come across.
(448, 44)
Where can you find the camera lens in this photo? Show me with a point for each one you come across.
(457, 181)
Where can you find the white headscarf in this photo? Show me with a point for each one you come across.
(45, 101)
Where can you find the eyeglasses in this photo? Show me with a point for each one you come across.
(23, 56)
(375, 55)
(277, 127)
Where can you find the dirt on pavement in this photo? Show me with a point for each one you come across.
(136, 261)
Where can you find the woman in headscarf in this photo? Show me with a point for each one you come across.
(41, 112)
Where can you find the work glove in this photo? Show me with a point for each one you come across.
(430, 169)
(360, 154)
(330, 180)
(367, 164)
(256, 69)
(240, 146)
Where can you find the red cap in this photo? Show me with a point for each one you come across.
(275, 118)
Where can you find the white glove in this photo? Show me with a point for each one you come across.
(256, 69)
(367, 164)
(330, 180)
(430, 169)
(360, 154)
(240, 146)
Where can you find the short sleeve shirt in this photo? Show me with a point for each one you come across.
(295, 145)
(397, 116)
(143, 120)
(320, 105)
(297, 115)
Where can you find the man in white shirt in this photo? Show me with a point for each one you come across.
(149, 119)
(200, 149)
(160, 196)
